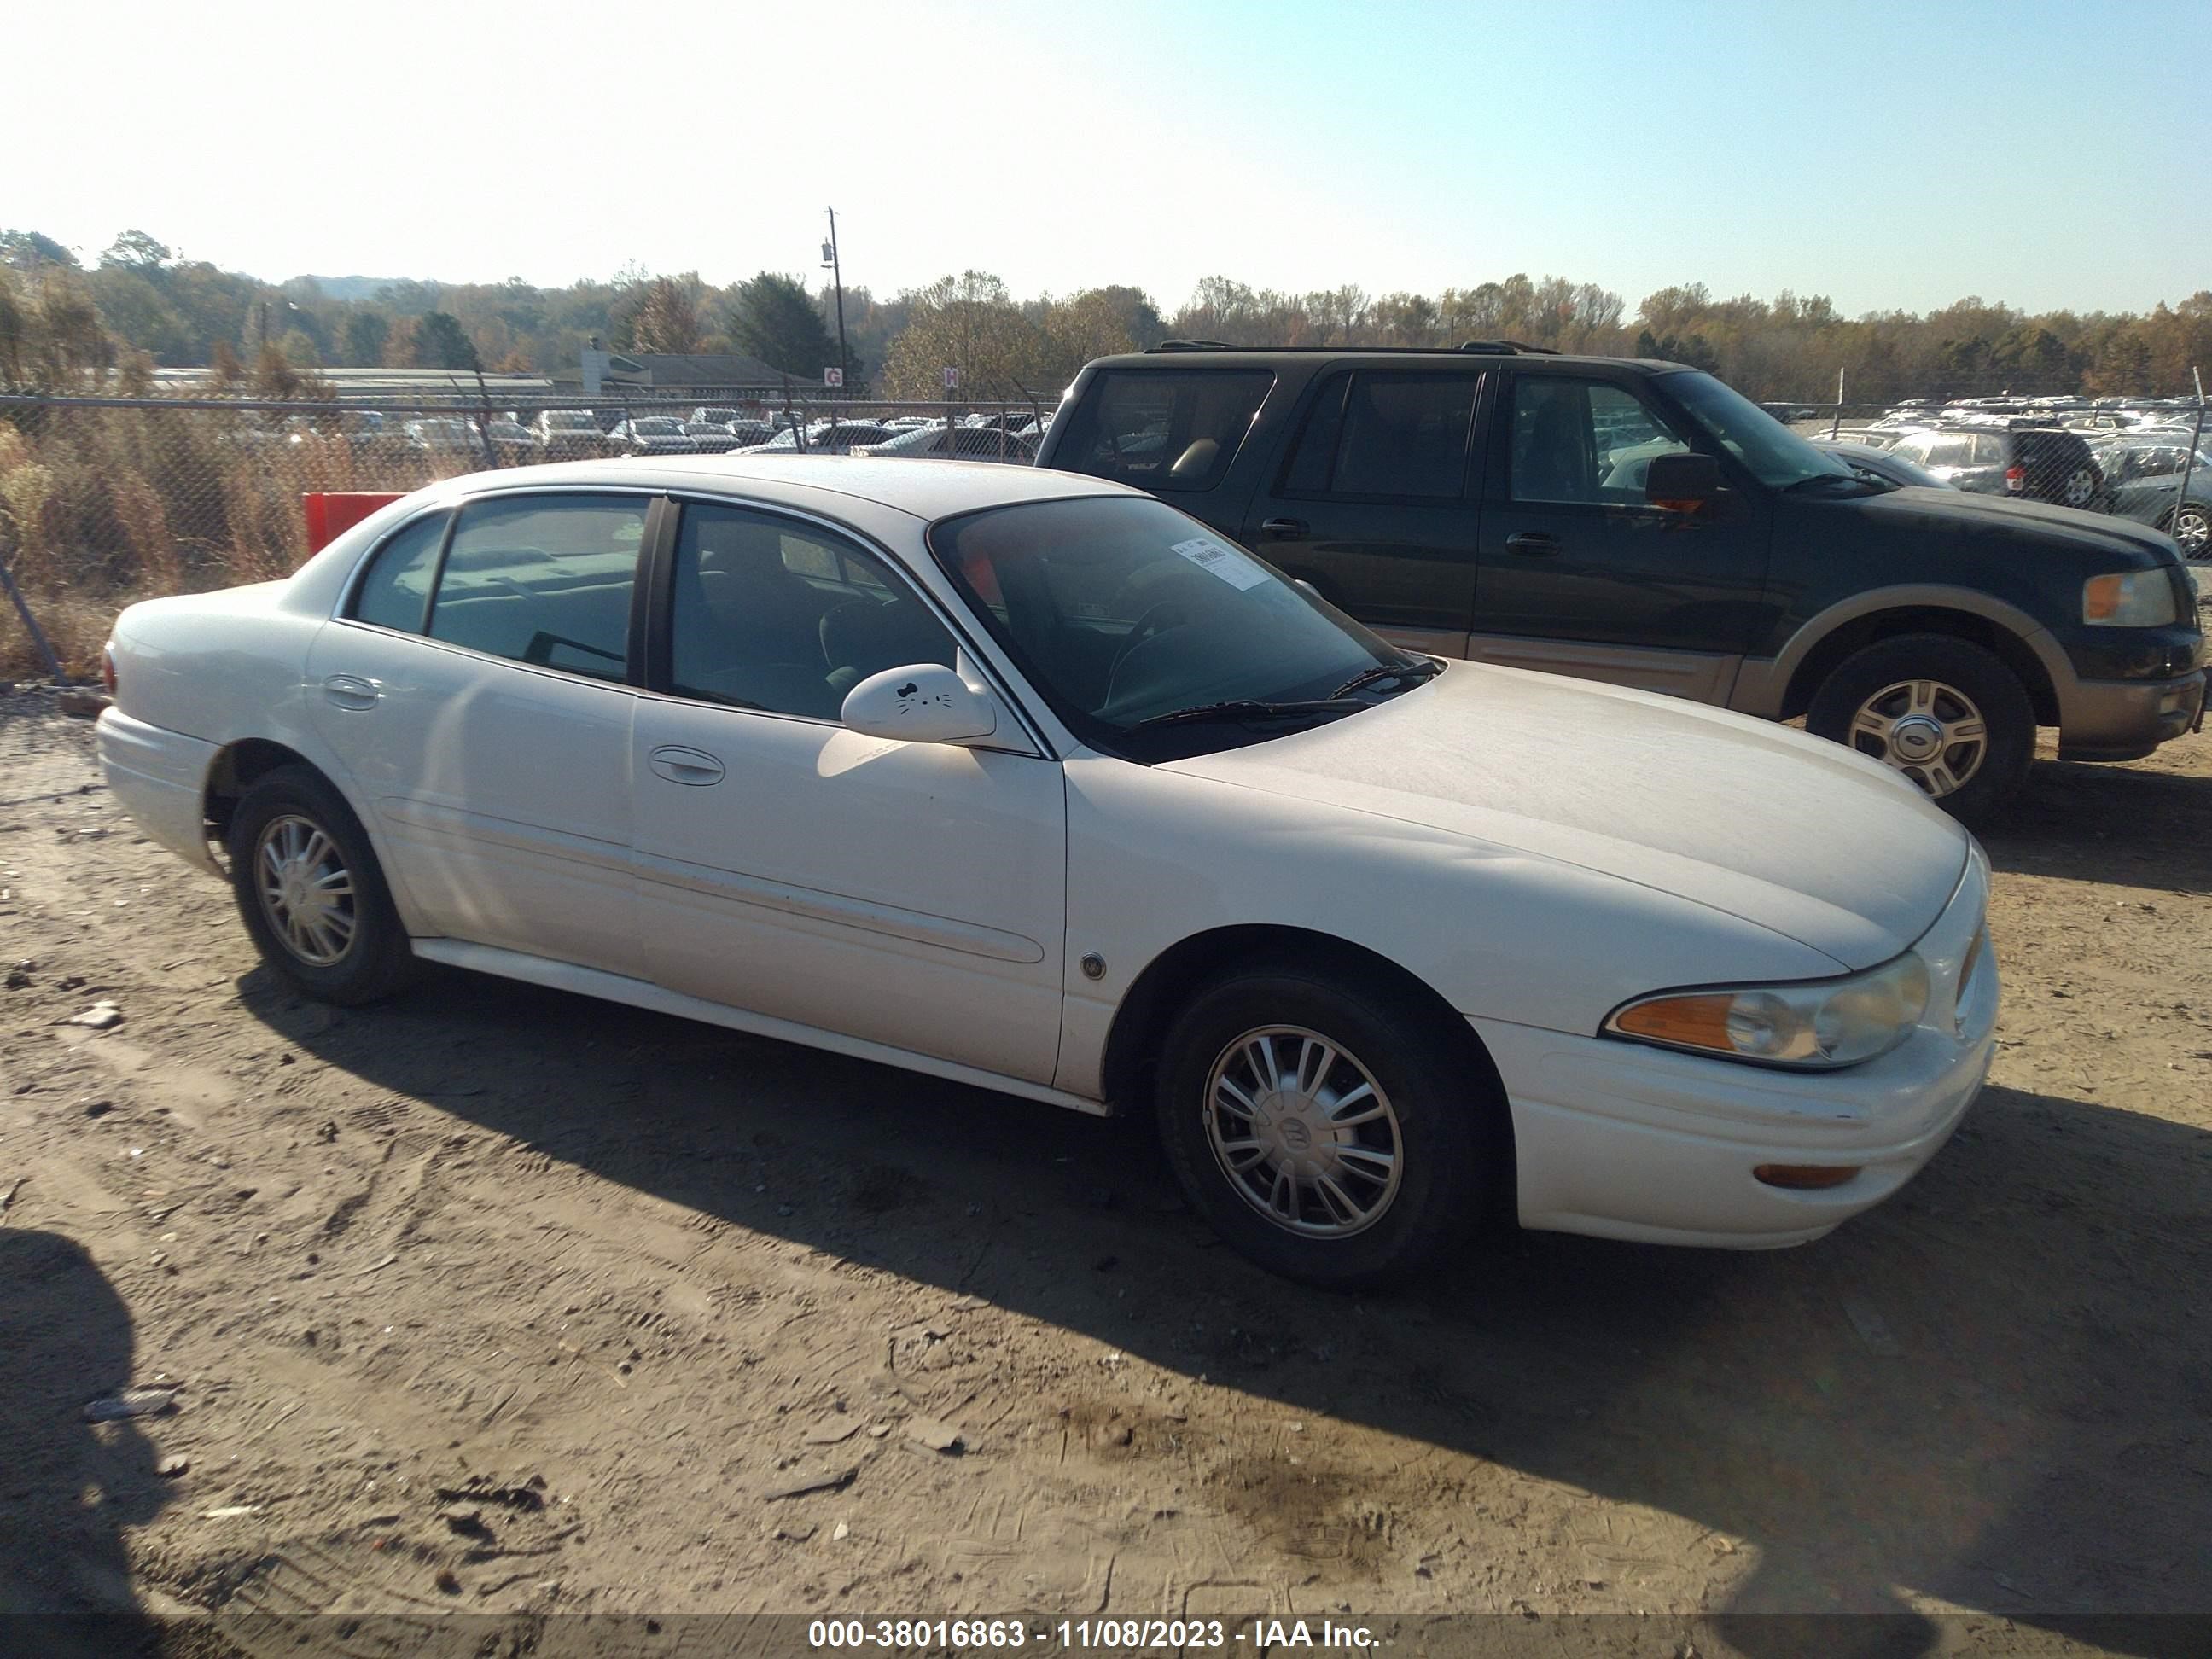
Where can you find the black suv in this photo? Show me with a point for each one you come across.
(1641, 523)
(2021, 458)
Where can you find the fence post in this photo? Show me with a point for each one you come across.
(1835, 425)
(2189, 461)
(31, 626)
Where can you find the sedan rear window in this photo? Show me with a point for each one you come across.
(1162, 429)
(544, 580)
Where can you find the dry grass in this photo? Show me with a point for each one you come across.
(99, 508)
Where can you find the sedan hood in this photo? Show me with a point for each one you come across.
(1791, 833)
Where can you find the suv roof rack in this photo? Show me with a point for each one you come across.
(1482, 348)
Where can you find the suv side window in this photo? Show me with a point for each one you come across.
(1580, 442)
(1162, 429)
(1386, 433)
(770, 614)
(544, 580)
(396, 589)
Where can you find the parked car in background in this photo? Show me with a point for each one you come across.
(1882, 462)
(1033, 782)
(446, 438)
(715, 414)
(749, 433)
(570, 435)
(710, 437)
(824, 438)
(513, 442)
(2027, 462)
(1642, 523)
(653, 434)
(964, 443)
(2144, 473)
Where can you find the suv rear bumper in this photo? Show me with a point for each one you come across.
(2125, 719)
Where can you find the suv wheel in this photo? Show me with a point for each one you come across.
(2081, 488)
(1326, 1135)
(311, 892)
(1947, 713)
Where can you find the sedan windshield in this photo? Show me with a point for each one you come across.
(1770, 451)
(1152, 637)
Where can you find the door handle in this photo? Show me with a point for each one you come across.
(1535, 543)
(1290, 529)
(352, 691)
(694, 766)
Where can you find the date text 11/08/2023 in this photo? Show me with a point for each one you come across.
(1082, 1635)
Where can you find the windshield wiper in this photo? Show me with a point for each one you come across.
(1859, 478)
(1248, 709)
(1420, 669)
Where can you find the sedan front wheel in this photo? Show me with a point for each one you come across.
(1328, 1130)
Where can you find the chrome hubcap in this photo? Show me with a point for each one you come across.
(306, 892)
(1930, 732)
(1303, 1130)
(2193, 530)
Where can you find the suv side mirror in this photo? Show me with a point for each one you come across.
(1684, 482)
(923, 702)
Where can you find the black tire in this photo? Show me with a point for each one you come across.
(1454, 1145)
(375, 959)
(1993, 688)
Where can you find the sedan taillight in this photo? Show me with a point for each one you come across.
(107, 667)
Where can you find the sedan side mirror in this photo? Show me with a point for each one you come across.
(923, 702)
(1684, 482)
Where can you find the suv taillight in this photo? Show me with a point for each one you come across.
(2015, 479)
(107, 667)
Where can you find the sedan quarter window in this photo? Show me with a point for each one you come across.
(544, 580)
(396, 589)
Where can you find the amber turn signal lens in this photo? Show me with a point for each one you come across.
(1804, 1178)
(1695, 1022)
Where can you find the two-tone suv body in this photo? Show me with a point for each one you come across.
(1641, 523)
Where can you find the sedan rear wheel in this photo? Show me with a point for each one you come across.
(1327, 1125)
(310, 891)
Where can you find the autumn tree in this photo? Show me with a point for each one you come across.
(667, 319)
(360, 342)
(970, 322)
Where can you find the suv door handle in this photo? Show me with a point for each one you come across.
(352, 691)
(1535, 543)
(1287, 528)
(694, 766)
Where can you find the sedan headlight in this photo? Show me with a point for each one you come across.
(1816, 1024)
(2130, 599)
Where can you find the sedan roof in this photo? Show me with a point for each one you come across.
(926, 489)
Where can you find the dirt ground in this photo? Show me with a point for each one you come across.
(495, 1298)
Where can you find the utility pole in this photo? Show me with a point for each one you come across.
(838, 276)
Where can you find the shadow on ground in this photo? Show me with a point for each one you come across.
(2136, 826)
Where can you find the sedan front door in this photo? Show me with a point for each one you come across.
(906, 894)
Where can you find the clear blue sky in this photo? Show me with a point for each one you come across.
(1895, 157)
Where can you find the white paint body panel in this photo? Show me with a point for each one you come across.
(1536, 851)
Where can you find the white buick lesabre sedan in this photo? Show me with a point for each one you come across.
(1029, 781)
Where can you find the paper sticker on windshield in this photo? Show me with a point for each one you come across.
(1226, 563)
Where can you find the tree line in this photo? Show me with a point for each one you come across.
(140, 305)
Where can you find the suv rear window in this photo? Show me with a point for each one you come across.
(1163, 430)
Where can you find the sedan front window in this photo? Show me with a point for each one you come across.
(1121, 611)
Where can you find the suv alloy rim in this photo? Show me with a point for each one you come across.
(2081, 488)
(1930, 732)
(305, 889)
(1303, 1132)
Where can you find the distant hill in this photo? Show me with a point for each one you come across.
(350, 288)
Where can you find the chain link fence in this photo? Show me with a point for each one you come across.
(2143, 459)
(106, 500)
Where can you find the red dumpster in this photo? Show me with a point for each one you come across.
(331, 513)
